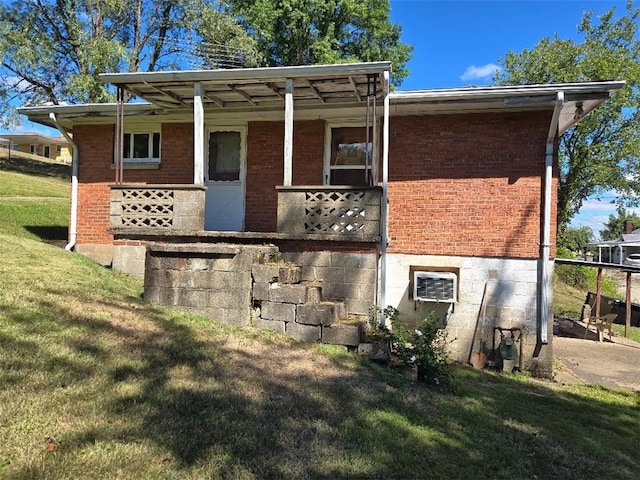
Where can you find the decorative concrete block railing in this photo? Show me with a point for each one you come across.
(350, 212)
(158, 207)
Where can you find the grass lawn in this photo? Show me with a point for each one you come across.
(35, 207)
(94, 383)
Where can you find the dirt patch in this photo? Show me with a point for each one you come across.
(613, 364)
(620, 279)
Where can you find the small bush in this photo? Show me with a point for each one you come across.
(572, 275)
(424, 348)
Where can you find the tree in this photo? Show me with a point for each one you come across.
(52, 51)
(615, 225)
(573, 238)
(304, 32)
(602, 152)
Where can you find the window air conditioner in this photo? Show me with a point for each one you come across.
(435, 287)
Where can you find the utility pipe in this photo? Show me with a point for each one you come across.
(383, 206)
(546, 236)
(73, 220)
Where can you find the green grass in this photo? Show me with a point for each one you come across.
(568, 301)
(94, 383)
(634, 332)
(34, 206)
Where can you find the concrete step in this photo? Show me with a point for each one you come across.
(348, 331)
(280, 272)
(320, 313)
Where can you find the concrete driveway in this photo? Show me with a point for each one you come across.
(614, 364)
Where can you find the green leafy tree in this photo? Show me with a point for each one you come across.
(53, 50)
(602, 152)
(615, 225)
(303, 32)
(573, 238)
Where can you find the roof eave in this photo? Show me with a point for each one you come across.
(258, 74)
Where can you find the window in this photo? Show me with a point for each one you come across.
(225, 155)
(33, 149)
(350, 157)
(141, 147)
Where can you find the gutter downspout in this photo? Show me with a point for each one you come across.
(546, 236)
(383, 203)
(73, 220)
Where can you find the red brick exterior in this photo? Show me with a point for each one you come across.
(95, 149)
(468, 185)
(265, 169)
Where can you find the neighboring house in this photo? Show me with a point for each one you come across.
(55, 148)
(222, 171)
(615, 251)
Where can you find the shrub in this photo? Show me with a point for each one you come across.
(572, 275)
(424, 348)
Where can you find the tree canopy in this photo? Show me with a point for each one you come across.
(303, 32)
(615, 225)
(573, 238)
(53, 50)
(602, 152)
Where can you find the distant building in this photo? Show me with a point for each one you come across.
(55, 148)
(616, 251)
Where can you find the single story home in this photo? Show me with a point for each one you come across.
(616, 251)
(55, 148)
(430, 200)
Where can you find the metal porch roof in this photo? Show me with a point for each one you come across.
(314, 85)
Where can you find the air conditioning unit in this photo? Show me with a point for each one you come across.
(435, 287)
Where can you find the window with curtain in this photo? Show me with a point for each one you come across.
(224, 156)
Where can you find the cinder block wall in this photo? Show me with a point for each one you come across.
(510, 300)
(348, 271)
(212, 280)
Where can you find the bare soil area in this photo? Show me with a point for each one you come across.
(621, 284)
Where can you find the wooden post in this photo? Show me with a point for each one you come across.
(627, 320)
(598, 292)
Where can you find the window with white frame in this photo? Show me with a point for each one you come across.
(350, 156)
(141, 146)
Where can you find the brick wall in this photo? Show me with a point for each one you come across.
(265, 167)
(468, 185)
(95, 147)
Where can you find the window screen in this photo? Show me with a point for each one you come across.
(224, 156)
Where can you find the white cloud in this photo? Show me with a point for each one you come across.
(595, 213)
(479, 73)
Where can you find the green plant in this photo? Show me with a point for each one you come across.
(425, 347)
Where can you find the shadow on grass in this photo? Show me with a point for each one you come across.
(31, 166)
(49, 233)
(226, 405)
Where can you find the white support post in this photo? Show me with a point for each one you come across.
(288, 133)
(198, 135)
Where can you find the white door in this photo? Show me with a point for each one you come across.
(226, 153)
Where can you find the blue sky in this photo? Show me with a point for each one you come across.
(459, 43)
